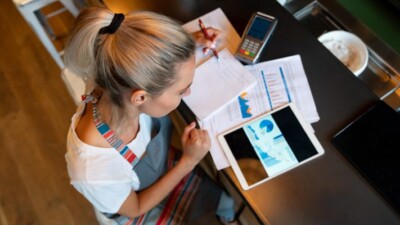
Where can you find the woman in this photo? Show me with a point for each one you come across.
(141, 65)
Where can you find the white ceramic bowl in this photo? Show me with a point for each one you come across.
(348, 48)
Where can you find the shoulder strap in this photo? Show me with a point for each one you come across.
(112, 138)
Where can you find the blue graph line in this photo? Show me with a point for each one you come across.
(284, 83)
(266, 88)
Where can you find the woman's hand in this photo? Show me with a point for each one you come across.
(196, 143)
(214, 35)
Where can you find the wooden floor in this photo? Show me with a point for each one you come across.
(35, 111)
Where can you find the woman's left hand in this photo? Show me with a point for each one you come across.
(214, 35)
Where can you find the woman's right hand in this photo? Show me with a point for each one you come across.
(196, 143)
(207, 44)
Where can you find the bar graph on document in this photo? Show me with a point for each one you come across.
(276, 88)
(272, 90)
(245, 109)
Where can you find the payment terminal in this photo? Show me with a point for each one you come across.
(257, 32)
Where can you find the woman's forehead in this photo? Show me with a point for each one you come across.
(185, 72)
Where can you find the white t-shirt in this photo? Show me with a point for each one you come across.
(102, 175)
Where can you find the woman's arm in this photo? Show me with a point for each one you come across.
(196, 144)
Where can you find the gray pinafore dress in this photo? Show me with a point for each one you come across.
(186, 204)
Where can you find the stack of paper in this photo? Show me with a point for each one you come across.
(217, 83)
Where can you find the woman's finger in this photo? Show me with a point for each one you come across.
(214, 34)
(187, 131)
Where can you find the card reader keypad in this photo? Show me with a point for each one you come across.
(249, 48)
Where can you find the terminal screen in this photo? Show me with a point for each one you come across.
(259, 28)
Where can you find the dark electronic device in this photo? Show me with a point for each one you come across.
(371, 144)
(256, 35)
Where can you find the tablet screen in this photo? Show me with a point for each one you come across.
(270, 145)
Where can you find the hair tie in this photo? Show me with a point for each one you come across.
(114, 25)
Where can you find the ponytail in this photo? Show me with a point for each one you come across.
(79, 54)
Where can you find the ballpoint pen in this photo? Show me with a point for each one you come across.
(204, 30)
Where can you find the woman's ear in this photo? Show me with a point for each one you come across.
(139, 97)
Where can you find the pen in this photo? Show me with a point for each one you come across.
(204, 30)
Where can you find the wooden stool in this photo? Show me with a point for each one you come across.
(29, 10)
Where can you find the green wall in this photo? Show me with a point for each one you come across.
(379, 16)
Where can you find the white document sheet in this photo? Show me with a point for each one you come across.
(279, 82)
(216, 84)
(218, 20)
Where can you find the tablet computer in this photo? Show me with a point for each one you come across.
(269, 145)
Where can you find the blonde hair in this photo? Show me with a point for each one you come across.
(141, 55)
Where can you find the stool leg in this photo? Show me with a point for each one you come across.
(41, 33)
(70, 6)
